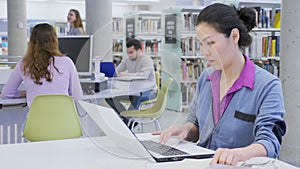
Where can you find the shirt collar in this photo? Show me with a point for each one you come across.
(246, 78)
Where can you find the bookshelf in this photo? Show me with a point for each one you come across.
(147, 27)
(61, 27)
(192, 63)
(265, 48)
(181, 57)
(118, 40)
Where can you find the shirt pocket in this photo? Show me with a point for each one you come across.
(245, 117)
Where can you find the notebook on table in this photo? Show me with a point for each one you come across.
(121, 135)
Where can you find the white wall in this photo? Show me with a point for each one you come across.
(52, 11)
(59, 11)
(3, 9)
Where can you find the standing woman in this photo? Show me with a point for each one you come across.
(44, 70)
(76, 26)
(238, 107)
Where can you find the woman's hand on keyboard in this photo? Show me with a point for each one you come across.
(175, 130)
(182, 131)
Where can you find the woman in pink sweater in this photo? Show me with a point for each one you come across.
(44, 69)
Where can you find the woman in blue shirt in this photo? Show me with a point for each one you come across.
(238, 107)
(76, 26)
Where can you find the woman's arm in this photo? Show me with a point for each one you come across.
(10, 89)
(232, 156)
(187, 131)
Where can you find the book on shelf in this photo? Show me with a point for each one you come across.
(149, 25)
(151, 47)
(277, 18)
(117, 45)
(191, 70)
(189, 20)
(117, 25)
(271, 66)
(187, 92)
(268, 17)
(190, 46)
(264, 45)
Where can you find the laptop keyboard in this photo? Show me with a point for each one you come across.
(162, 148)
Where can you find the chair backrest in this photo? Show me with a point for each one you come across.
(158, 108)
(108, 68)
(166, 85)
(52, 117)
(157, 79)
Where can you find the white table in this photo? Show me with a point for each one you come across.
(87, 153)
(82, 153)
(115, 88)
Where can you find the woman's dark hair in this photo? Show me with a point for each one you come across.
(134, 42)
(42, 47)
(224, 18)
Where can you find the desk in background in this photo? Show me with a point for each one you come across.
(115, 88)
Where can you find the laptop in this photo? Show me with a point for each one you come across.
(116, 130)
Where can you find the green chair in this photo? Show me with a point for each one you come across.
(146, 102)
(52, 117)
(152, 101)
(151, 114)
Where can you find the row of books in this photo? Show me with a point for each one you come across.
(271, 66)
(190, 46)
(149, 26)
(191, 69)
(264, 46)
(117, 46)
(61, 30)
(187, 92)
(268, 17)
(151, 46)
(117, 25)
(189, 20)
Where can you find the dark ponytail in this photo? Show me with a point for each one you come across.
(224, 18)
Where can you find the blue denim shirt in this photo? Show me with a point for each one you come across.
(252, 116)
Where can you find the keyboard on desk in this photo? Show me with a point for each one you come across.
(162, 148)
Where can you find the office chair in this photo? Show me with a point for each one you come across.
(52, 117)
(151, 114)
(108, 68)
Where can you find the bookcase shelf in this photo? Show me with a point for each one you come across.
(145, 26)
(262, 3)
(118, 39)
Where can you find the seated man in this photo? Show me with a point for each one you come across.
(136, 64)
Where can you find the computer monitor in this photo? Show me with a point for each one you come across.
(79, 49)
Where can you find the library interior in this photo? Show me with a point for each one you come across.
(82, 129)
